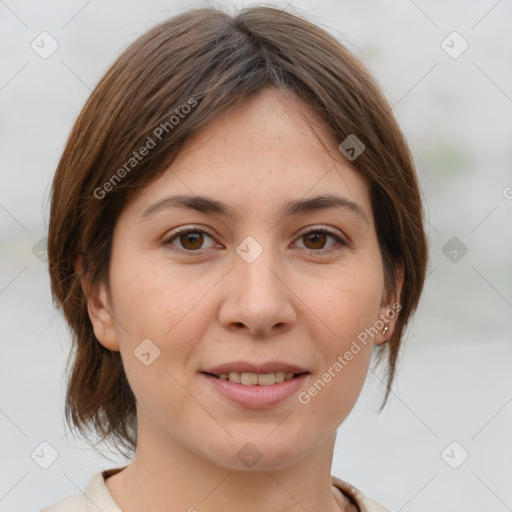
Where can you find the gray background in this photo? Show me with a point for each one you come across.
(454, 378)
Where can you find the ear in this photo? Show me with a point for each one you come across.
(98, 307)
(390, 308)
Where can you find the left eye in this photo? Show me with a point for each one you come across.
(319, 236)
(191, 240)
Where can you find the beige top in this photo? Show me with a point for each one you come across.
(97, 497)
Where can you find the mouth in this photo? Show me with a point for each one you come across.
(256, 390)
(256, 379)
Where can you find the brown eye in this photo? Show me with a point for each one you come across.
(188, 240)
(317, 239)
(192, 240)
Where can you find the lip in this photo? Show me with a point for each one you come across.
(255, 397)
(247, 367)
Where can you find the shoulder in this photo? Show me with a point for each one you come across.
(74, 503)
(95, 498)
(362, 502)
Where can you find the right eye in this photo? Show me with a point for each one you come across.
(190, 238)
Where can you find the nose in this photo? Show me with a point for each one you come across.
(257, 299)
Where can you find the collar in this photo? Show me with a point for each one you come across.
(104, 500)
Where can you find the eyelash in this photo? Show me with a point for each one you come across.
(192, 229)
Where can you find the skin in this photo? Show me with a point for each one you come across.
(210, 306)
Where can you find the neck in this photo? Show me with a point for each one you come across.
(166, 475)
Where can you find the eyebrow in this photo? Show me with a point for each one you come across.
(293, 207)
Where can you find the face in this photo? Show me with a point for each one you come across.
(194, 287)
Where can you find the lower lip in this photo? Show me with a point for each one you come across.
(257, 396)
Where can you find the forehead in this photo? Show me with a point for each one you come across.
(262, 153)
(272, 125)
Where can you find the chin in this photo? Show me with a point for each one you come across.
(259, 453)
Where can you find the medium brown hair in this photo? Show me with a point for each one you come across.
(211, 61)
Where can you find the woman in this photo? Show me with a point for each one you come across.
(236, 228)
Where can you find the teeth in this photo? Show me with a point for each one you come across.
(280, 376)
(253, 379)
(266, 379)
(234, 377)
(249, 379)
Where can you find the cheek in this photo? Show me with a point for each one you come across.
(349, 306)
(150, 298)
(349, 302)
(153, 302)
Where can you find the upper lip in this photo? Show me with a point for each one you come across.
(247, 367)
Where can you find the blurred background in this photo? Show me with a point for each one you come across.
(443, 440)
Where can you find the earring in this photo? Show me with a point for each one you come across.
(385, 330)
